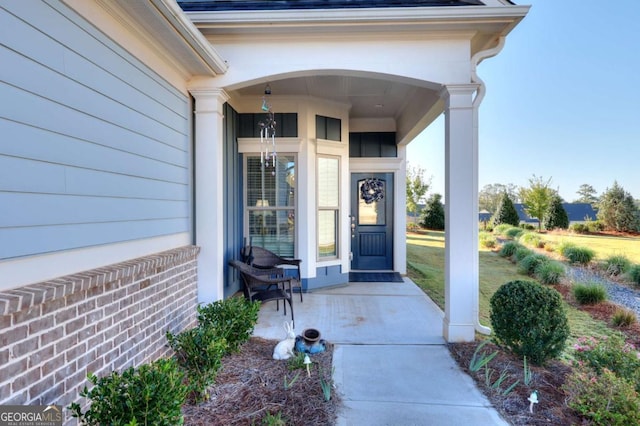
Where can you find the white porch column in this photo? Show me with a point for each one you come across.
(209, 168)
(461, 214)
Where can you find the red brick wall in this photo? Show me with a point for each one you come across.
(55, 332)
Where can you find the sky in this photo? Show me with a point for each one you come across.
(562, 102)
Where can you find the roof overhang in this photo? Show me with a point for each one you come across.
(162, 23)
(487, 23)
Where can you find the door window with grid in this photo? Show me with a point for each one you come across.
(270, 211)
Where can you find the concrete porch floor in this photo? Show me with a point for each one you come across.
(392, 366)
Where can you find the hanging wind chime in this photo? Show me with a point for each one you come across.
(267, 133)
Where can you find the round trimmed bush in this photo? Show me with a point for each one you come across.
(529, 320)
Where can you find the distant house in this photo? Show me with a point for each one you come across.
(577, 212)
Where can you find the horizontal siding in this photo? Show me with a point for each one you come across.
(49, 35)
(25, 209)
(47, 239)
(95, 146)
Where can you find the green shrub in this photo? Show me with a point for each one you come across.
(633, 274)
(581, 255)
(528, 264)
(550, 272)
(589, 293)
(413, 227)
(555, 216)
(527, 226)
(501, 229)
(433, 214)
(153, 394)
(529, 320)
(234, 319)
(199, 352)
(487, 240)
(623, 317)
(550, 246)
(611, 353)
(604, 399)
(578, 228)
(531, 239)
(564, 245)
(617, 264)
(521, 253)
(594, 226)
(509, 248)
(513, 233)
(506, 212)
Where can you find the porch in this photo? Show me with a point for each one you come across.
(391, 362)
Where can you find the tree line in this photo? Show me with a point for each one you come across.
(616, 208)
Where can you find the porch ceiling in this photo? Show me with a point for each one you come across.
(368, 97)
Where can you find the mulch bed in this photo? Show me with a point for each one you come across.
(514, 407)
(250, 386)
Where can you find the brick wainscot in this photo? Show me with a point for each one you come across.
(55, 332)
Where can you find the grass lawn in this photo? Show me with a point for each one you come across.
(603, 245)
(425, 266)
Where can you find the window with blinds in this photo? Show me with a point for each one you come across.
(271, 207)
(328, 206)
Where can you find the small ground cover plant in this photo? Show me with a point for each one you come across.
(623, 317)
(604, 399)
(604, 384)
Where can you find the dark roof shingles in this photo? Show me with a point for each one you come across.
(239, 5)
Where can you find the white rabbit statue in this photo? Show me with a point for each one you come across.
(284, 348)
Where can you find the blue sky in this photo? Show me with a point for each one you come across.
(562, 102)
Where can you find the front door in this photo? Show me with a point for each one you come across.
(372, 221)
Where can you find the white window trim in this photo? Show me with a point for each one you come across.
(245, 206)
(337, 209)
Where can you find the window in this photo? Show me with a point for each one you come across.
(328, 128)
(270, 211)
(328, 206)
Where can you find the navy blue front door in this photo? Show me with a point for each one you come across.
(372, 221)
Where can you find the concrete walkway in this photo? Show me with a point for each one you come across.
(391, 363)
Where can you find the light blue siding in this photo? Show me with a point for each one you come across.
(95, 147)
